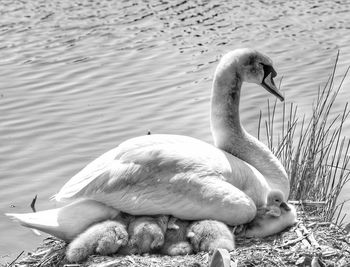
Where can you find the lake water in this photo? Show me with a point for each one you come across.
(78, 77)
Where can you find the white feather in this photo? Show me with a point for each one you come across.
(68, 221)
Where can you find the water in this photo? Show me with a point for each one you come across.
(79, 77)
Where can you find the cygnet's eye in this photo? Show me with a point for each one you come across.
(278, 201)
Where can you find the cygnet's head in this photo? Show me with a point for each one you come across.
(275, 203)
(275, 197)
(250, 66)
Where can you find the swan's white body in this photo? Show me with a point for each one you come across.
(171, 174)
(188, 178)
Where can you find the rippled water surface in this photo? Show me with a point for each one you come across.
(79, 77)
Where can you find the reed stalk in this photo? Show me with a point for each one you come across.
(314, 152)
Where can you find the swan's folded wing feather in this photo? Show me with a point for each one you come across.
(103, 175)
(145, 161)
(130, 163)
(82, 179)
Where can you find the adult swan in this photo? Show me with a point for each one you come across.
(179, 175)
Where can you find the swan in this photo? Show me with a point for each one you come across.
(183, 176)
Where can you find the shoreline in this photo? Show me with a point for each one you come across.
(311, 240)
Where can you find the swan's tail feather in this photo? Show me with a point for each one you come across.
(35, 231)
(44, 221)
(55, 198)
(69, 221)
(16, 217)
(36, 220)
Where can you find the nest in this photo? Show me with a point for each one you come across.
(310, 242)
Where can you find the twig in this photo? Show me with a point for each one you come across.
(32, 205)
(329, 253)
(310, 236)
(308, 203)
(292, 242)
(303, 240)
(324, 224)
(16, 259)
(313, 240)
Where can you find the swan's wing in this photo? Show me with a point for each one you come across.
(139, 161)
(96, 170)
(103, 175)
(164, 174)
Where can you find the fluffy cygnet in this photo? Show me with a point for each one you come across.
(270, 222)
(208, 235)
(102, 238)
(176, 241)
(146, 234)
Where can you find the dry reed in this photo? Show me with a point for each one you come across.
(314, 153)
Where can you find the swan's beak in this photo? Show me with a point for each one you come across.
(270, 86)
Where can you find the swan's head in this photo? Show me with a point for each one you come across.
(251, 66)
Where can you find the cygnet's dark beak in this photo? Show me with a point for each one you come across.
(285, 206)
(269, 84)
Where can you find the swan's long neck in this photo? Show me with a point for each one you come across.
(229, 134)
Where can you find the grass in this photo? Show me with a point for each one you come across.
(314, 153)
